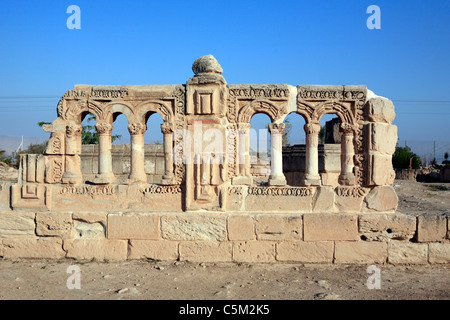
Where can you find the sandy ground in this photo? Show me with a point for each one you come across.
(45, 279)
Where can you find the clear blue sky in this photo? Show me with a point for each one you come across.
(293, 42)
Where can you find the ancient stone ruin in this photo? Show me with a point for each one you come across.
(206, 205)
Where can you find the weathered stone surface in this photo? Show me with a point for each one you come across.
(17, 225)
(325, 227)
(254, 251)
(360, 252)
(54, 224)
(382, 227)
(305, 252)
(349, 203)
(45, 248)
(86, 230)
(91, 217)
(383, 138)
(153, 249)
(381, 110)
(278, 227)
(439, 252)
(206, 251)
(324, 199)
(206, 64)
(81, 249)
(382, 198)
(241, 227)
(278, 203)
(431, 228)
(134, 226)
(196, 226)
(400, 252)
(381, 171)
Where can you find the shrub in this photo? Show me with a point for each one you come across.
(402, 157)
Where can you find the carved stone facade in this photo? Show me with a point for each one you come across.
(207, 191)
(206, 125)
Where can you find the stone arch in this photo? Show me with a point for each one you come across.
(343, 112)
(143, 109)
(116, 107)
(305, 110)
(260, 106)
(75, 112)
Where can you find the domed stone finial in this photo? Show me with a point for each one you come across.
(206, 64)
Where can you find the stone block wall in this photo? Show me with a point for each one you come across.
(226, 237)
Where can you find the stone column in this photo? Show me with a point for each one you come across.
(137, 171)
(168, 177)
(243, 155)
(72, 173)
(311, 176)
(347, 176)
(105, 174)
(277, 177)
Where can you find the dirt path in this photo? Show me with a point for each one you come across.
(172, 281)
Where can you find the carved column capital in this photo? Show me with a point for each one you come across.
(279, 127)
(166, 128)
(137, 128)
(312, 128)
(103, 128)
(347, 128)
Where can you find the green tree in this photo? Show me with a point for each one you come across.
(403, 158)
(322, 135)
(286, 132)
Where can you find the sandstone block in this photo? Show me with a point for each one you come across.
(54, 224)
(400, 252)
(241, 227)
(81, 249)
(194, 226)
(45, 248)
(134, 226)
(439, 252)
(17, 225)
(305, 252)
(86, 230)
(360, 252)
(381, 110)
(278, 227)
(382, 227)
(153, 249)
(383, 138)
(382, 198)
(431, 228)
(381, 171)
(254, 251)
(327, 227)
(349, 204)
(206, 251)
(324, 199)
(91, 217)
